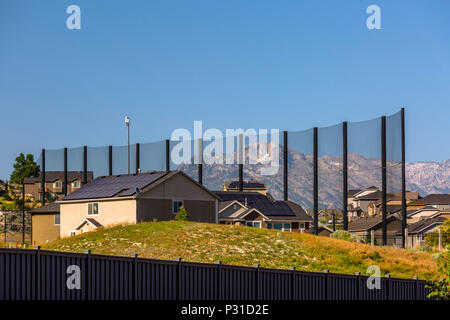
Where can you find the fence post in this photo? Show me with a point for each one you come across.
(285, 166)
(416, 281)
(327, 276)
(357, 274)
(440, 239)
(345, 174)
(241, 161)
(43, 177)
(88, 274)
(167, 155)
(388, 283)
(179, 282)
(110, 160)
(38, 272)
(404, 240)
(257, 285)
(316, 182)
(65, 173)
(383, 180)
(406, 237)
(293, 283)
(372, 238)
(135, 271)
(219, 281)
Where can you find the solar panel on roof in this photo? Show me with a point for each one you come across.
(107, 187)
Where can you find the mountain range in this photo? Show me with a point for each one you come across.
(422, 177)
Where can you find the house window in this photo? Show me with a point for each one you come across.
(57, 219)
(176, 204)
(76, 184)
(279, 226)
(73, 233)
(301, 226)
(254, 224)
(58, 184)
(93, 208)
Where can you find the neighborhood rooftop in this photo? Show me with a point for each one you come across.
(52, 176)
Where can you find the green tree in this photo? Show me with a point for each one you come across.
(440, 290)
(182, 215)
(24, 167)
(432, 238)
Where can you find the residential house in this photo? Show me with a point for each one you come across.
(129, 199)
(45, 223)
(427, 212)
(261, 211)
(418, 231)
(2, 185)
(54, 181)
(248, 186)
(363, 228)
(438, 201)
(323, 230)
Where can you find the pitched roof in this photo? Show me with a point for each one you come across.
(52, 207)
(352, 192)
(246, 185)
(127, 185)
(431, 199)
(52, 176)
(368, 223)
(273, 209)
(425, 224)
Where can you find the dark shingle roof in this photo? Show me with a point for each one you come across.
(368, 223)
(246, 185)
(52, 176)
(351, 192)
(432, 199)
(52, 207)
(270, 208)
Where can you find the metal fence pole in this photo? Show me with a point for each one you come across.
(179, 282)
(88, 274)
(167, 155)
(388, 285)
(135, 276)
(219, 281)
(345, 175)
(38, 272)
(200, 161)
(357, 274)
(65, 173)
(293, 283)
(138, 158)
(257, 283)
(84, 165)
(241, 161)
(327, 285)
(403, 178)
(110, 159)
(383, 180)
(416, 280)
(285, 166)
(316, 182)
(43, 178)
(23, 214)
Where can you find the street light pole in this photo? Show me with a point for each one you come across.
(127, 122)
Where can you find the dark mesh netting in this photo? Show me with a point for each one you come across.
(300, 167)
(98, 161)
(153, 156)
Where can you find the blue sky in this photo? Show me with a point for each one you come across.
(251, 64)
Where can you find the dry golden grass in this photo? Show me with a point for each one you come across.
(202, 242)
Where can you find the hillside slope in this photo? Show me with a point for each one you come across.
(202, 242)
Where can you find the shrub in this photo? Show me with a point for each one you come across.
(441, 289)
(182, 215)
(344, 235)
(433, 237)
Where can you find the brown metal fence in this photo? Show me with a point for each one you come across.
(43, 275)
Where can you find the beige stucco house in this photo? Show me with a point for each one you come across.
(130, 199)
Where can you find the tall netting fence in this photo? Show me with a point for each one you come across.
(330, 167)
(300, 154)
(262, 155)
(263, 161)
